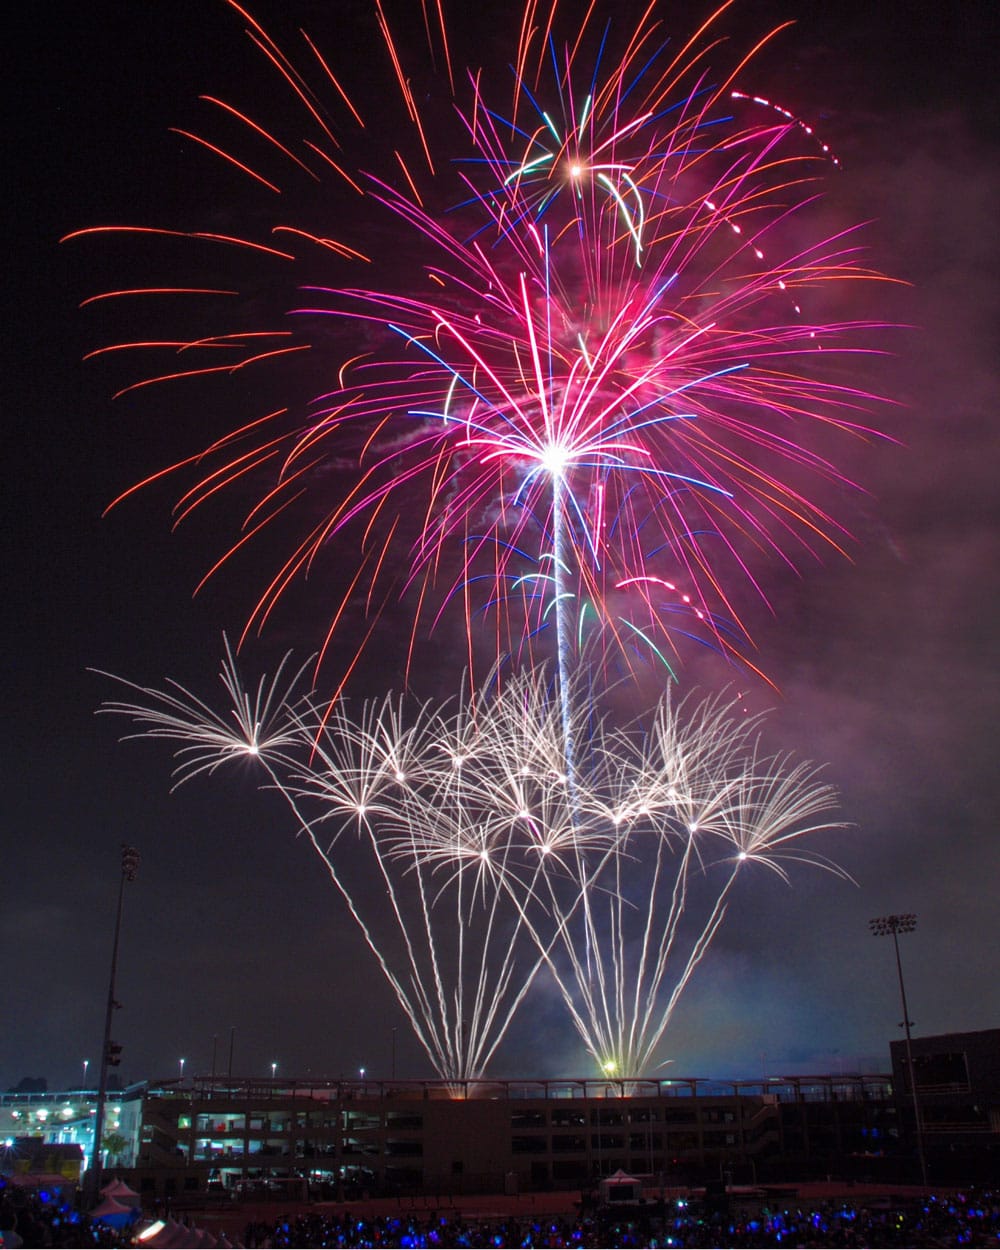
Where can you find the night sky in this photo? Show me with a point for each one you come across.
(887, 664)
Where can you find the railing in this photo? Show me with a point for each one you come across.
(338, 1089)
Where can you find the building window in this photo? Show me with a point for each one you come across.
(403, 1119)
(405, 1178)
(361, 1119)
(946, 1072)
(563, 1118)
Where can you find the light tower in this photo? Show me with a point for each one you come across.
(110, 1051)
(881, 927)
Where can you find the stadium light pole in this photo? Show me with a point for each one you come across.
(881, 927)
(110, 1050)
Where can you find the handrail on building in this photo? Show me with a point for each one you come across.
(846, 1087)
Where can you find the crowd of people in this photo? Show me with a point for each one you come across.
(971, 1219)
(965, 1219)
(30, 1220)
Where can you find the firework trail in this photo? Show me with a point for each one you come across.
(585, 398)
(451, 834)
(378, 797)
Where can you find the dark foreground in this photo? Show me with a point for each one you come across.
(807, 1217)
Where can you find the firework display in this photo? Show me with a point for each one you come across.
(576, 409)
(488, 861)
(588, 397)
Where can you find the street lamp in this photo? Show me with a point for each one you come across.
(86, 1065)
(110, 1051)
(182, 1062)
(882, 926)
(274, 1069)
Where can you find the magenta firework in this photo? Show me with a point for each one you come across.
(550, 362)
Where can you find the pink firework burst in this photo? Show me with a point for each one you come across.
(582, 394)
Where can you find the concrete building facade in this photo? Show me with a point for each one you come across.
(334, 1138)
(958, 1101)
(338, 1137)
